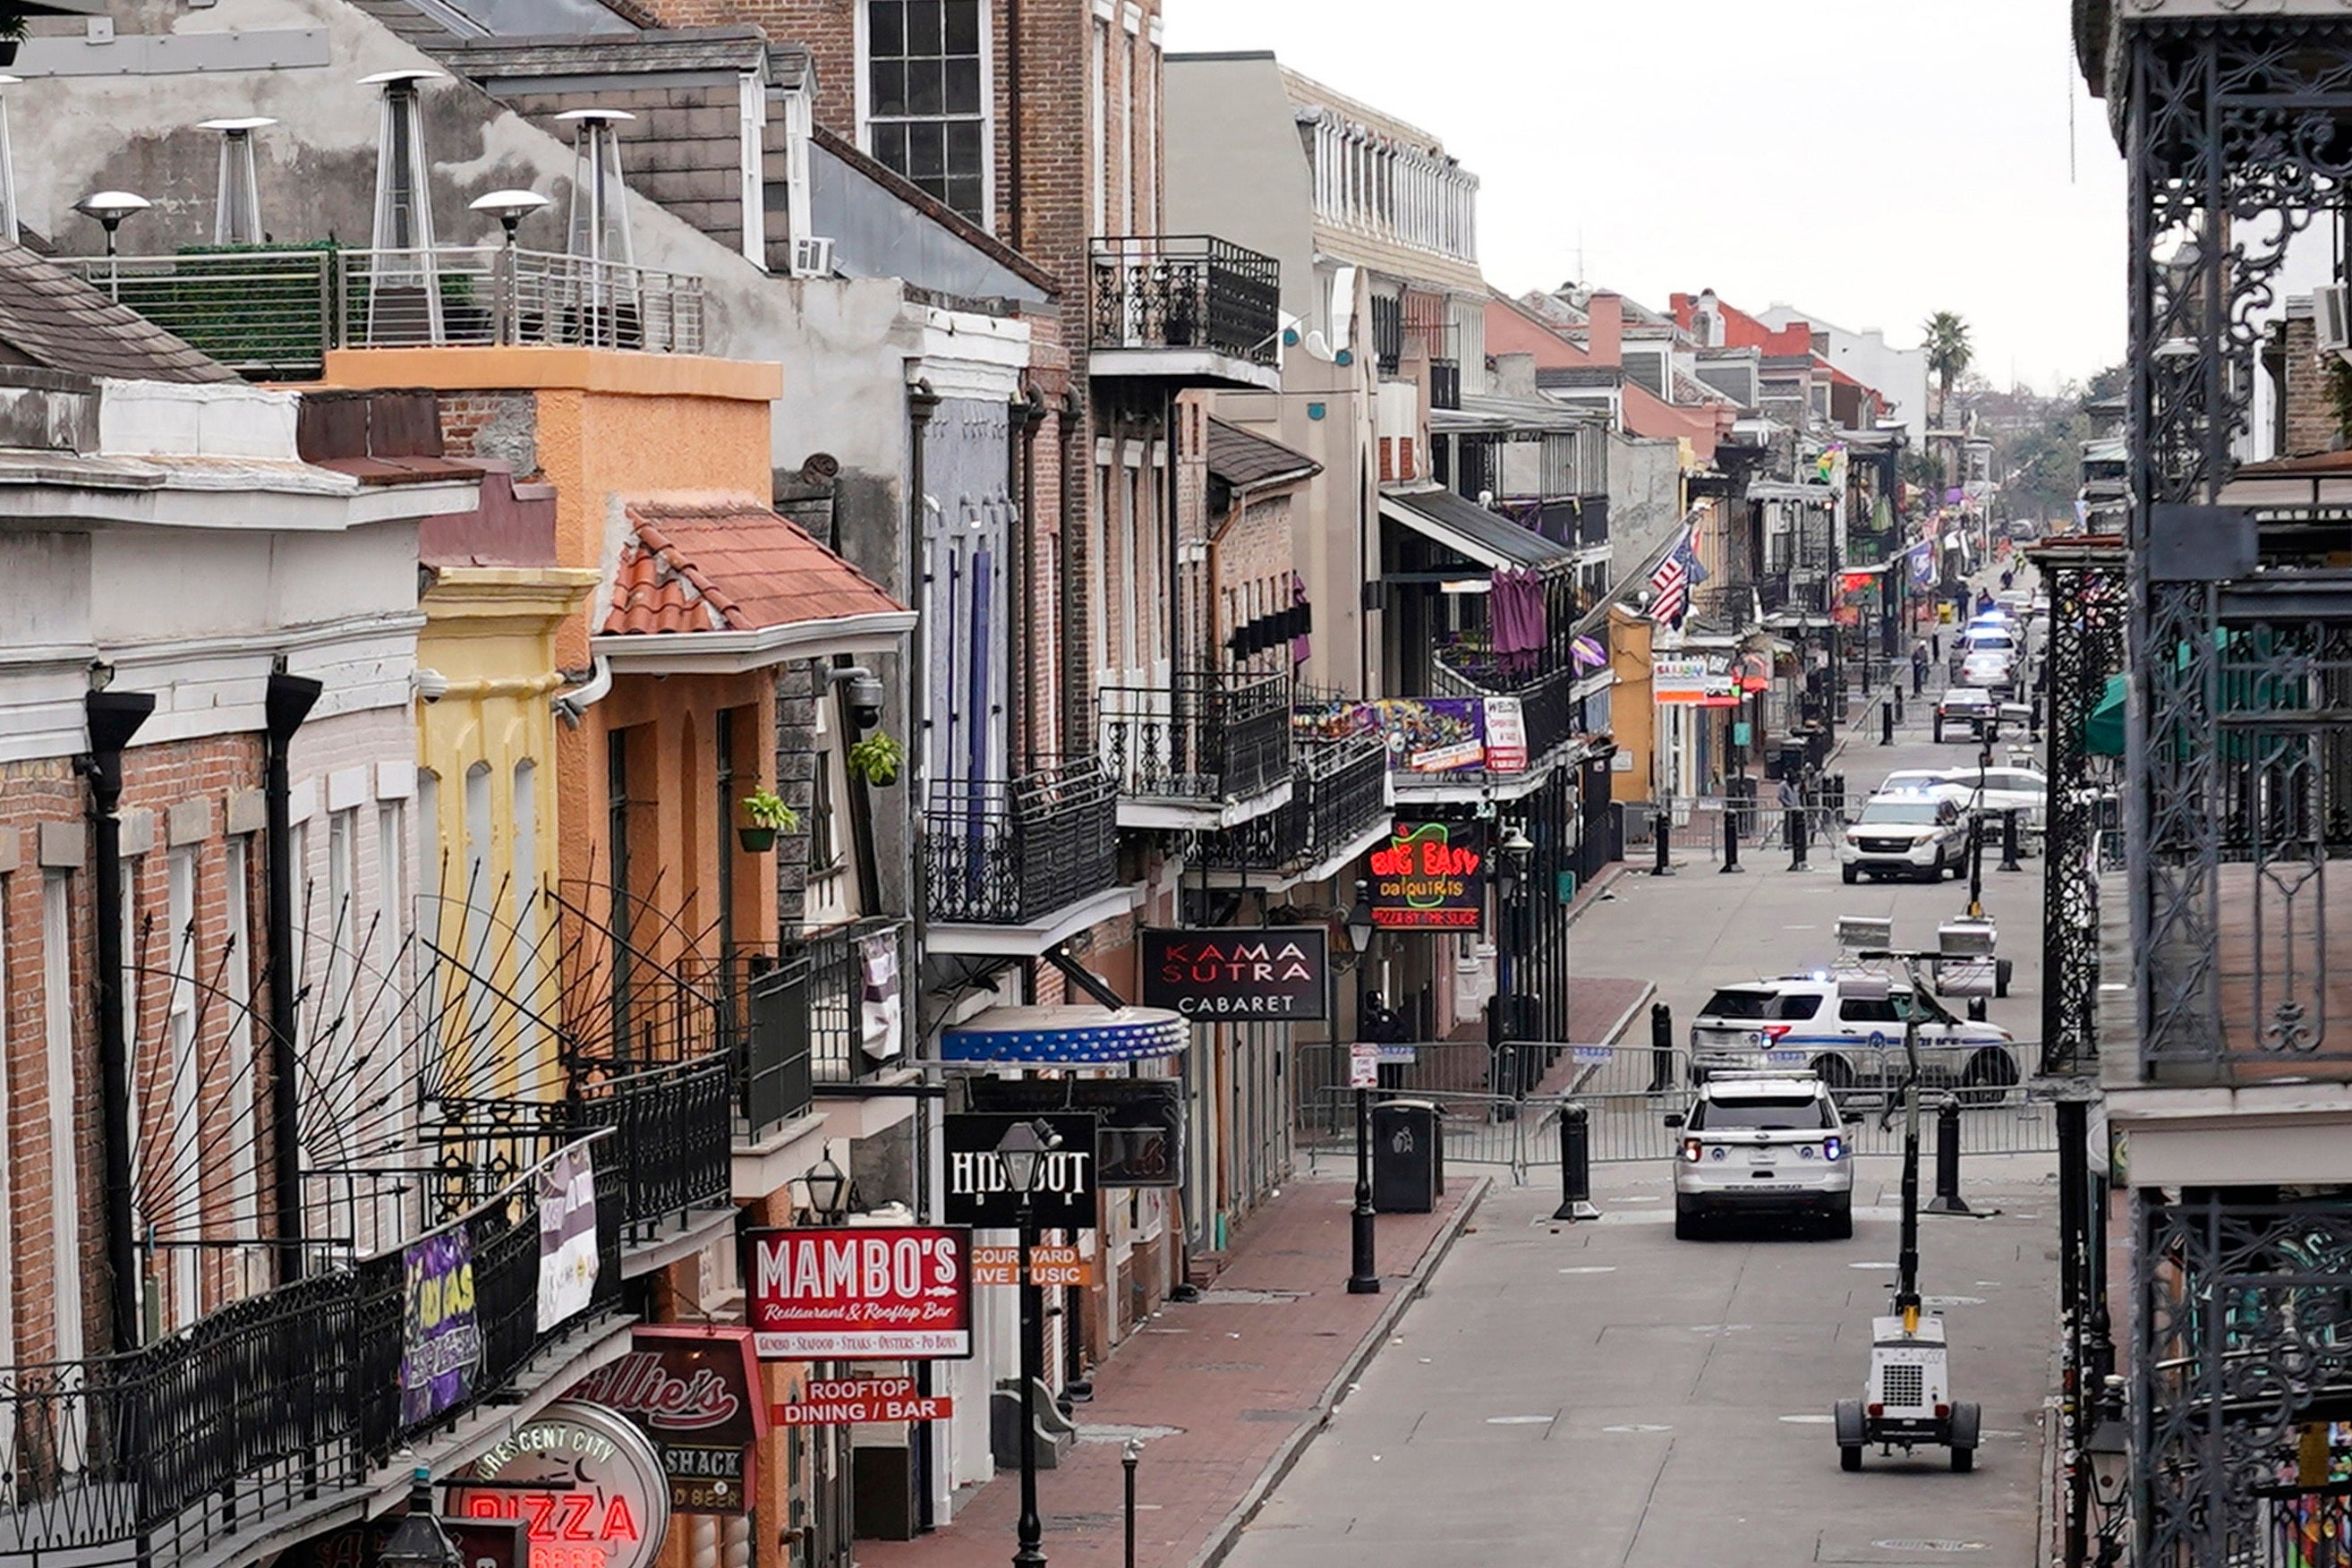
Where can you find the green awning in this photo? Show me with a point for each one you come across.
(2103, 731)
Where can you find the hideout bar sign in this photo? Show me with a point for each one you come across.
(1270, 973)
(978, 1194)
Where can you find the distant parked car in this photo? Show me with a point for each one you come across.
(1763, 1143)
(1917, 833)
(1969, 705)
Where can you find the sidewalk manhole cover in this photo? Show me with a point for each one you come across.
(1279, 1417)
(1250, 1298)
(1110, 1432)
(1906, 1544)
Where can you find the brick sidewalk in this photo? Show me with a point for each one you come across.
(1237, 1378)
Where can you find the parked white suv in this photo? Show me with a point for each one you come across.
(1917, 833)
(1763, 1143)
(1847, 1036)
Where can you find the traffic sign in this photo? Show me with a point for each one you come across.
(1364, 1065)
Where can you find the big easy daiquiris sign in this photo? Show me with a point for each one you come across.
(1430, 876)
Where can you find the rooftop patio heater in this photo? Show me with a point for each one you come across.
(603, 256)
(237, 209)
(403, 289)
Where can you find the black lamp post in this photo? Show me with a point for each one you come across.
(828, 1191)
(1364, 1273)
(1510, 877)
(419, 1541)
(1023, 1149)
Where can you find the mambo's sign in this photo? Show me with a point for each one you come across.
(980, 1194)
(1432, 875)
(1276, 972)
(867, 1292)
(846, 1400)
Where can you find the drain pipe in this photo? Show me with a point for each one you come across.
(289, 702)
(113, 718)
(1072, 429)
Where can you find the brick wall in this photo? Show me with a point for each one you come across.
(498, 426)
(2311, 422)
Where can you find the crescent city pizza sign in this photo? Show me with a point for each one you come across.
(1280, 973)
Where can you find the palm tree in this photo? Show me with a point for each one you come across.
(1948, 354)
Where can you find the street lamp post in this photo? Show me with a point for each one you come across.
(1364, 1273)
(1023, 1149)
(419, 1541)
(1510, 877)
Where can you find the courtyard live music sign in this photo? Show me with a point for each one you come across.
(1277, 974)
(1431, 876)
(881, 1292)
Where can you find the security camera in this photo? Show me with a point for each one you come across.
(432, 685)
(864, 695)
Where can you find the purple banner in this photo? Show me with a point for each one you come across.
(440, 1341)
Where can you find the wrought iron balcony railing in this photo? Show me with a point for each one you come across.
(272, 315)
(1208, 737)
(856, 977)
(1013, 852)
(1186, 292)
(1339, 790)
(1547, 704)
(187, 1449)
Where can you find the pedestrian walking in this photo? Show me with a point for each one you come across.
(1918, 669)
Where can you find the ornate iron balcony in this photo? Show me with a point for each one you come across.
(1339, 790)
(1546, 706)
(854, 1029)
(1011, 853)
(1186, 292)
(1208, 737)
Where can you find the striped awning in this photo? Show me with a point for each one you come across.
(1066, 1036)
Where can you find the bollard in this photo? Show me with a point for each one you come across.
(1730, 839)
(1947, 1199)
(1133, 1453)
(2009, 841)
(1796, 830)
(1665, 823)
(1662, 1047)
(1575, 1165)
(1887, 724)
(1976, 1009)
(1898, 703)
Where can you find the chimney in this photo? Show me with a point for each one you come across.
(2310, 414)
(1604, 331)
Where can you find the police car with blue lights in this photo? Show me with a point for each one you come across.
(1763, 1143)
(1847, 1034)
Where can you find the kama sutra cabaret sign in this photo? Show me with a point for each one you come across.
(859, 1293)
(1275, 973)
(696, 1393)
(1431, 876)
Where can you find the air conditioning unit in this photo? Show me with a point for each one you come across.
(2331, 315)
(813, 256)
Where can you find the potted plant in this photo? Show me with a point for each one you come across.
(877, 759)
(769, 816)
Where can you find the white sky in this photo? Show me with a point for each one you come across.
(1871, 160)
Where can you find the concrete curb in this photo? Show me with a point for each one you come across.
(1625, 1019)
(1222, 1542)
(1591, 898)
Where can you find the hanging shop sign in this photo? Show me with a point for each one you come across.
(1048, 1265)
(980, 1195)
(1139, 1121)
(1695, 681)
(584, 1481)
(1432, 875)
(845, 1402)
(440, 1339)
(694, 1390)
(859, 1293)
(1273, 974)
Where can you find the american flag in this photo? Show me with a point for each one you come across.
(1670, 585)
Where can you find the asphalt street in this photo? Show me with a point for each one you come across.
(1601, 1393)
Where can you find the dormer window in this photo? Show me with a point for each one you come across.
(924, 96)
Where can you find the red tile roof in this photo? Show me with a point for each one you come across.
(729, 564)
